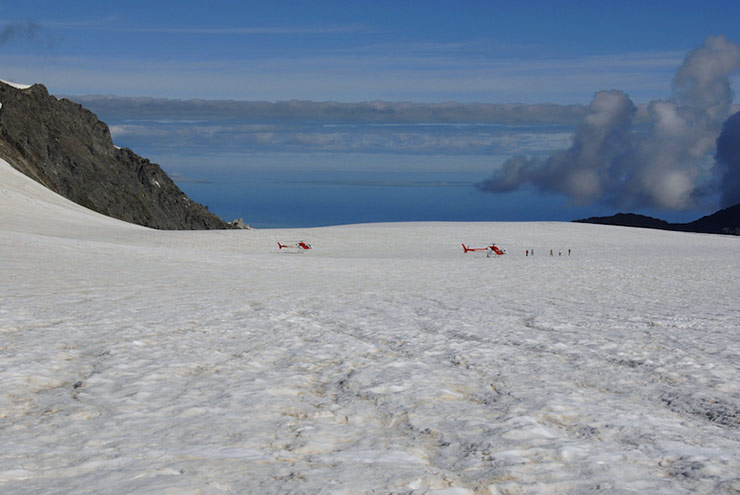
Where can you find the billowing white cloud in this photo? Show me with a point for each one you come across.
(656, 156)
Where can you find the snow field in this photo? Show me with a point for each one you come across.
(382, 361)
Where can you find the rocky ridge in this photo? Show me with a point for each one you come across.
(66, 148)
(725, 221)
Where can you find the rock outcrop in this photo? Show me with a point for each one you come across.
(66, 148)
(726, 221)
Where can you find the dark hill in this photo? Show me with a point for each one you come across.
(67, 149)
(629, 220)
(725, 221)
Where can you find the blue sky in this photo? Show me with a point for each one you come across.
(223, 89)
(430, 51)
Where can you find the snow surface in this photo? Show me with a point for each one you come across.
(382, 361)
(16, 85)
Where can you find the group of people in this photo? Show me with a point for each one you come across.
(529, 252)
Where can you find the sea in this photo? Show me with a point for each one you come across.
(282, 199)
(311, 174)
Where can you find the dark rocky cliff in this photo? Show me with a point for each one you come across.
(725, 221)
(66, 148)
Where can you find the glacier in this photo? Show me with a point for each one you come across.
(383, 361)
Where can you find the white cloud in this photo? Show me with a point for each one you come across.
(659, 155)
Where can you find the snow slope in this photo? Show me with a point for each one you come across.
(383, 361)
(15, 84)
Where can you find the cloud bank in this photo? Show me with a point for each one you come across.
(305, 126)
(659, 155)
(141, 108)
(350, 138)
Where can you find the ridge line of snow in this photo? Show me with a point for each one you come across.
(16, 85)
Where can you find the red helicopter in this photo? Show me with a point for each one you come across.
(493, 248)
(294, 245)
